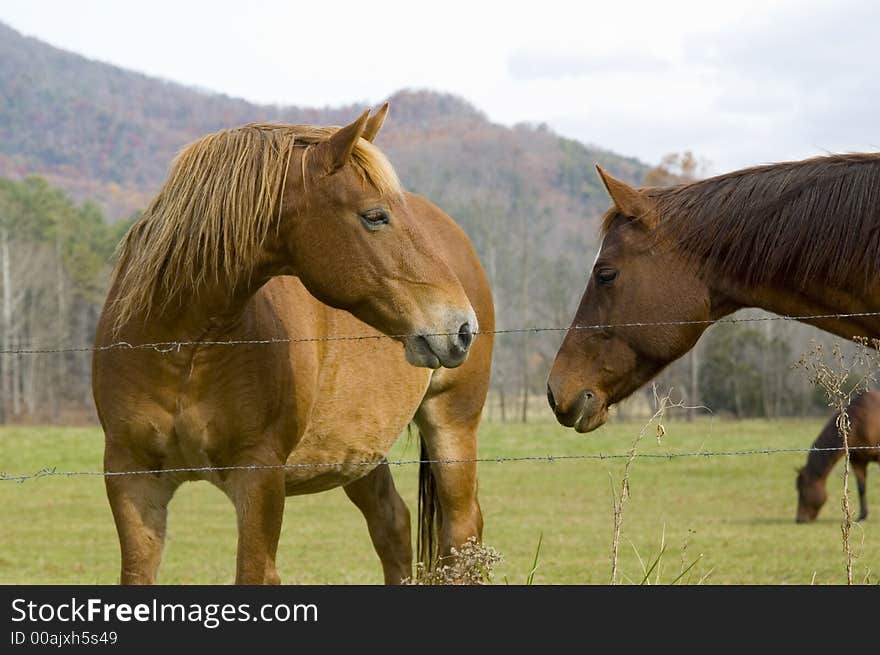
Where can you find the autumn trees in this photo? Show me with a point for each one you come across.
(534, 240)
(54, 258)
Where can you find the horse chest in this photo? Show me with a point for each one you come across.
(221, 410)
(364, 401)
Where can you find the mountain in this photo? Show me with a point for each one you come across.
(528, 198)
(105, 133)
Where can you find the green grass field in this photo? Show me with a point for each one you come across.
(738, 512)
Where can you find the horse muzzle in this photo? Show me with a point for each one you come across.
(585, 411)
(447, 347)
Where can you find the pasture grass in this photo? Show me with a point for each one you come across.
(737, 512)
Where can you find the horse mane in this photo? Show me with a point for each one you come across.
(805, 220)
(210, 219)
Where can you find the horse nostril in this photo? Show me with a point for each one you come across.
(588, 396)
(550, 398)
(465, 336)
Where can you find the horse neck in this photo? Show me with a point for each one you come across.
(785, 298)
(210, 313)
(821, 461)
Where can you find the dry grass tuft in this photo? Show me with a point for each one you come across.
(472, 564)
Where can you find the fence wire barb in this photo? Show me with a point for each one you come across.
(54, 472)
(175, 346)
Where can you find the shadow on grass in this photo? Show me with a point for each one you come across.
(787, 520)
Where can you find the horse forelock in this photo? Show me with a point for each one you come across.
(210, 219)
(376, 169)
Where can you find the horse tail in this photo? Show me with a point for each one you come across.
(429, 512)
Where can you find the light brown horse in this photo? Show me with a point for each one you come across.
(799, 238)
(270, 232)
(864, 435)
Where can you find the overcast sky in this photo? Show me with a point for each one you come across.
(738, 83)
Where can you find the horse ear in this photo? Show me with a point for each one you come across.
(335, 152)
(374, 124)
(628, 200)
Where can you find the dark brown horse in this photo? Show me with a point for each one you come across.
(798, 238)
(864, 435)
(278, 233)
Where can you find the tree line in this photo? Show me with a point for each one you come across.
(56, 256)
(54, 265)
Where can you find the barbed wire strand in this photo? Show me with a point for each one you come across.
(53, 472)
(173, 346)
(169, 346)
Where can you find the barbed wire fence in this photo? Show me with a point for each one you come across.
(823, 375)
(176, 346)
(669, 456)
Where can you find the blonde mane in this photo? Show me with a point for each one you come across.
(212, 216)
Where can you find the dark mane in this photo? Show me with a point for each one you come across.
(806, 220)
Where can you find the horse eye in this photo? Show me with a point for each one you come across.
(374, 218)
(606, 275)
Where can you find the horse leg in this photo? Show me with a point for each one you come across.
(258, 496)
(387, 520)
(860, 468)
(140, 508)
(449, 436)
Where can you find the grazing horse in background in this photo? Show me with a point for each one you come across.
(296, 236)
(797, 238)
(864, 419)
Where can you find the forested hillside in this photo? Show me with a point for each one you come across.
(108, 134)
(103, 137)
(527, 197)
(54, 259)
